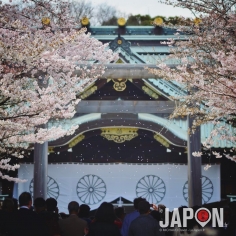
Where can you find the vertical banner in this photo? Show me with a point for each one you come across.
(93, 184)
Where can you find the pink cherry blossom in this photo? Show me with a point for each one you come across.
(41, 48)
(207, 70)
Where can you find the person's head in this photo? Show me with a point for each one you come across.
(120, 212)
(39, 204)
(144, 207)
(137, 201)
(73, 207)
(105, 213)
(15, 204)
(84, 211)
(25, 199)
(63, 215)
(8, 205)
(51, 204)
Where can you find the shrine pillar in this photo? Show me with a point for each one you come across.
(194, 166)
(40, 170)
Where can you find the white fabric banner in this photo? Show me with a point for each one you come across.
(94, 183)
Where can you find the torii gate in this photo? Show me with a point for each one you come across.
(137, 71)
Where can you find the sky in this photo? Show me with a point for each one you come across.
(143, 7)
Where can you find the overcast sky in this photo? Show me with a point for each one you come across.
(143, 7)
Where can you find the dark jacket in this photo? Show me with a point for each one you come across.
(25, 222)
(72, 226)
(145, 225)
(5, 222)
(103, 229)
(50, 220)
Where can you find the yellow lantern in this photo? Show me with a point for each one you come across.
(158, 21)
(121, 21)
(45, 21)
(84, 21)
(197, 21)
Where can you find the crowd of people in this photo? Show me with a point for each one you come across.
(42, 218)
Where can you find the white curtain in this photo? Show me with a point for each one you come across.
(94, 183)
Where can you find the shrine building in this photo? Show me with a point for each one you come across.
(126, 146)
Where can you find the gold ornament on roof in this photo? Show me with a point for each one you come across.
(121, 21)
(84, 21)
(119, 41)
(50, 149)
(150, 92)
(119, 84)
(158, 21)
(119, 61)
(88, 92)
(197, 21)
(119, 135)
(46, 21)
(76, 140)
(161, 140)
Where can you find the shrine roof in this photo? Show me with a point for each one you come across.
(126, 42)
(131, 30)
(174, 131)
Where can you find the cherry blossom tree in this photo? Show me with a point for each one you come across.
(40, 49)
(206, 68)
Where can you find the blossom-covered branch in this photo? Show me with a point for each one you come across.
(207, 68)
(37, 80)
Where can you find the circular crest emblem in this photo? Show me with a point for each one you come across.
(91, 189)
(152, 188)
